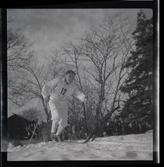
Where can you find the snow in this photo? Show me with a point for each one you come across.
(126, 147)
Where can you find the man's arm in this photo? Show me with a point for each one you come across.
(47, 88)
(79, 94)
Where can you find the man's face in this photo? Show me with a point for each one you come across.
(69, 78)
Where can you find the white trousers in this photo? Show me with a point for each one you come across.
(59, 112)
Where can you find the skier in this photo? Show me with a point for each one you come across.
(56, 93)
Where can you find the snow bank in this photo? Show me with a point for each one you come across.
(127, 147)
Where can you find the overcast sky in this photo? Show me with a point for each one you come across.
(50, 28)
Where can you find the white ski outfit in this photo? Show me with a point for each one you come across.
(59, 92)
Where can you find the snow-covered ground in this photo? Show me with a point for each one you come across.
(127, 147)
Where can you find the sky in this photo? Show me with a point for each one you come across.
(48, 29)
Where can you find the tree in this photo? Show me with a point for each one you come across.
(31, 114)
(19, 52)
(55, 63)
(28, 86)
(99, 59)
(25, 74)
(139, 83)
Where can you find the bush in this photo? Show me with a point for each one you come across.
(44, 131)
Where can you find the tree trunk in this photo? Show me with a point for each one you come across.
(85, 117)
(98, 128)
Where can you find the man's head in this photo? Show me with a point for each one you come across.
(69, 76)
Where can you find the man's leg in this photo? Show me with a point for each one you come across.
(55, 117)
(54, 126)
(63, 121)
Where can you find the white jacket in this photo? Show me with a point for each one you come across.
(57, 89)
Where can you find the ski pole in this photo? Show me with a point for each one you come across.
(34, 129)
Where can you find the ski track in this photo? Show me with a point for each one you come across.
(129, 147)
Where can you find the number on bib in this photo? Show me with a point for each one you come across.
(63, 91)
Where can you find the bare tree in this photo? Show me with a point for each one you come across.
(55, 63)
(19, 52)
(100, 57)
(29, 85)
(72, 51)
(25, 76)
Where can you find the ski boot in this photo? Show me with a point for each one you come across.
(58, 138)
(52, 136)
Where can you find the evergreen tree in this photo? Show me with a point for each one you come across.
(139, 83)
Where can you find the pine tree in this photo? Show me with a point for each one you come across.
(139, 83)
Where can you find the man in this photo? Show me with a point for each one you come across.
(56, 93)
